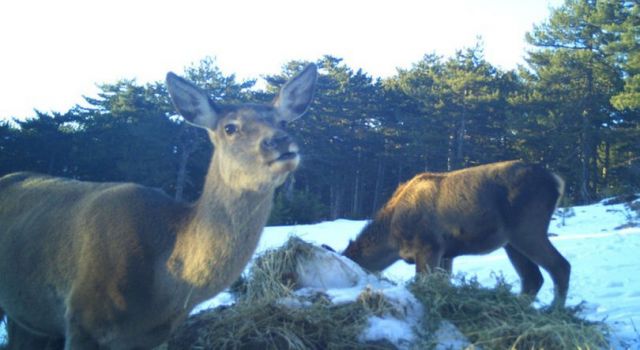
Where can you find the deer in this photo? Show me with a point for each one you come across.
(120, 265)
(435, 217)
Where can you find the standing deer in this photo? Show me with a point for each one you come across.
(120, 266)
(435, 217)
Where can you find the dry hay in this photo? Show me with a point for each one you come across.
(496, 318)
(274, 274)
(268, 315)
(276, 325)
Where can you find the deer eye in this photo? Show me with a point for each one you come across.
(230, 129)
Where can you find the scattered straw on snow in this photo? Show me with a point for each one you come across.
(273, 312)
(495, 318)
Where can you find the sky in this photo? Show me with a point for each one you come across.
(54, 52)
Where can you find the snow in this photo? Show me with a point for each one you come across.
(389, 328)
(323, 269)
(605, 273)
(605, 270)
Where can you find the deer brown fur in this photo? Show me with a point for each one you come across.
(435, 217)
(119, 265)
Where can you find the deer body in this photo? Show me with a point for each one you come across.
(435, 217)
(120, 266)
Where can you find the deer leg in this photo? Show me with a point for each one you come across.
(530, 276)
(447, 265)
(427, 259)
(540, 250)
(421, 265)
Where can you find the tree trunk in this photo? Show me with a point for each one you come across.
(586, 141)
(188, 145)
(336, 194)
(460, 134)
(378, 187)
(182, 175)
(450, 154)
(355, 205)
(289, 187)
(607, 161)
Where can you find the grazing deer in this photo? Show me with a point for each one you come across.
(435, 217)
(120, 266)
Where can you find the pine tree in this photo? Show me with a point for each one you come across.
(573, 77)
(626, 50)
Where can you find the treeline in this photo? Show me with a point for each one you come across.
(575, 108)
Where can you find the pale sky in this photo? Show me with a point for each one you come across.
(53, 52)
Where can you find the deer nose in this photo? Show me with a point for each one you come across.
(278, 141)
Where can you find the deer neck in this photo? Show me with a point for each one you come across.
(221, 234)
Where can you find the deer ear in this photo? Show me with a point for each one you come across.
(191, 102)
(295, 96)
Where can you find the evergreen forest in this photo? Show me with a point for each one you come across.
(574, 107)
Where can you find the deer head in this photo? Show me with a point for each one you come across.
(253, 150)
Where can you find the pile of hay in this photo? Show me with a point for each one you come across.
(271, 324)
(496, 318)
(267, 314)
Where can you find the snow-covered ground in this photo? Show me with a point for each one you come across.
(605, 273)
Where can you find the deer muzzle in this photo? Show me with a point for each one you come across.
(280, 149)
